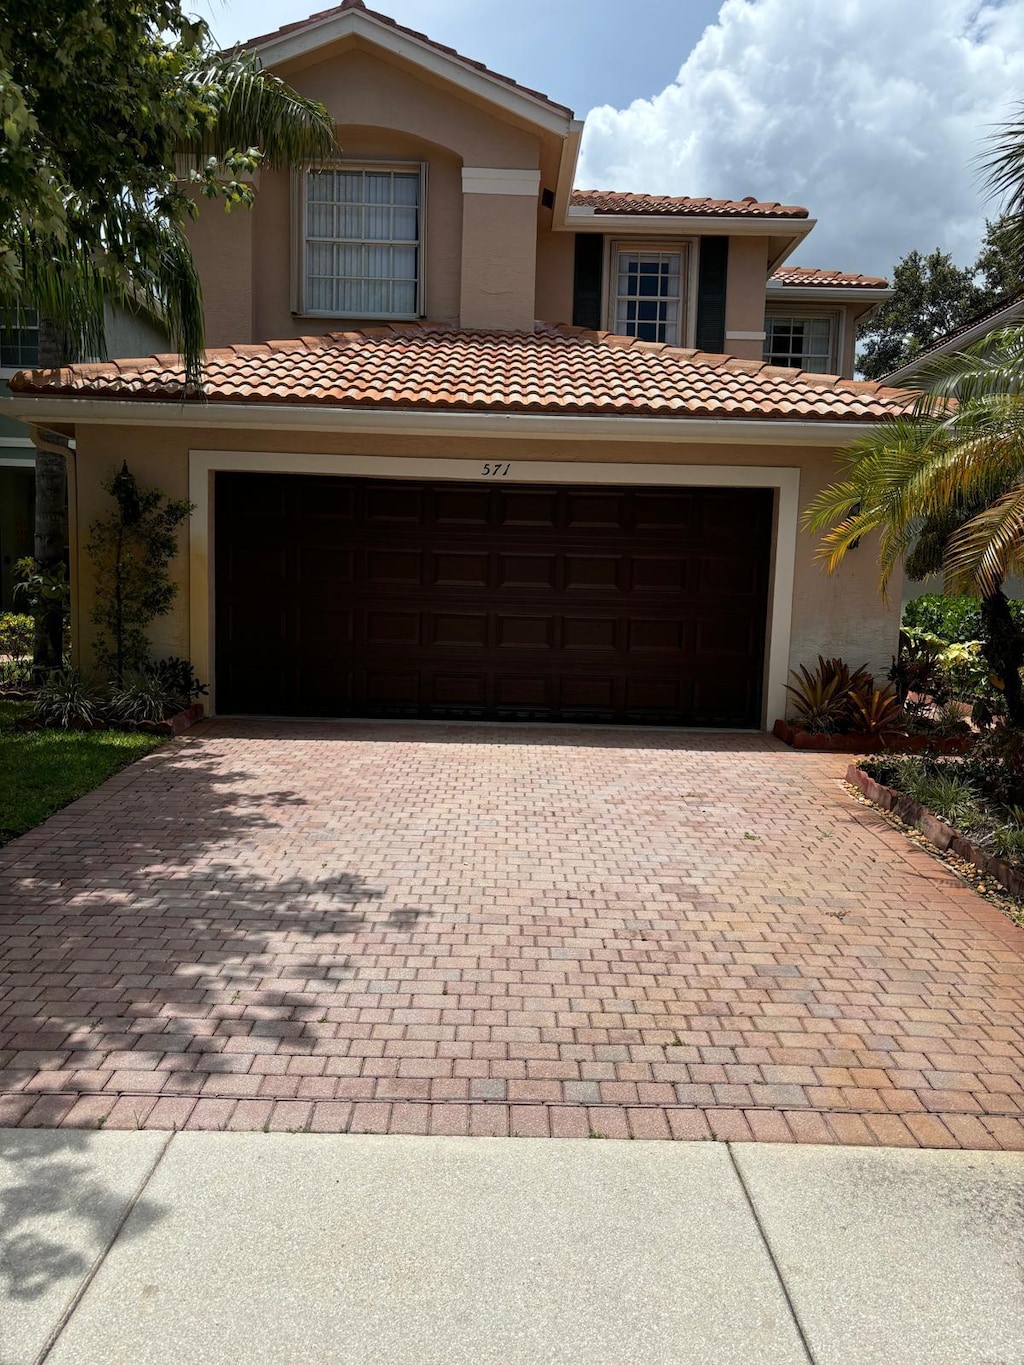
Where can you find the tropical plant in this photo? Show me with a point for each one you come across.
(943, 484)
(118, 117)
(132, 549)
(66, 701)
(875, 711)
(821, 697)
(142, 696)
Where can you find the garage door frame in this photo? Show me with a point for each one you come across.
(203, 464)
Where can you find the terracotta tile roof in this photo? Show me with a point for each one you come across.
(410, 33)
(626, 202)
(555, 370)
(804, 276)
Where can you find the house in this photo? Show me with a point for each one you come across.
(475, 443)
(1008, 312)
(126, 335)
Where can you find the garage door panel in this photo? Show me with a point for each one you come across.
(461, 569)
(527, 571)
(461, 507)
(393, 628)
(592, 572)
(391, 565)
(527, 507)
(348, 596)
(462, 629)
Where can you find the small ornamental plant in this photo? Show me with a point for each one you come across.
(132, 549)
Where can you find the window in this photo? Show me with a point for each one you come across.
(362, 242)
(649, 294)
(19, 338)
(803, 343)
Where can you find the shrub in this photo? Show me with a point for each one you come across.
(956, 620)
(179, 679)
(875, 711)
(141, 697)
(17, 632)
(67, 701)
(822, 699)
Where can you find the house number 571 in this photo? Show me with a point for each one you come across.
(495, 471)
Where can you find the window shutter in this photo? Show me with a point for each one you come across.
(586, 284)
(712, 273)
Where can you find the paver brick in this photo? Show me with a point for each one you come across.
(276, 936)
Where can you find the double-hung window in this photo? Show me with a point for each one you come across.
(19, 339)
(804, 343)
(362, 241)
(648, 293)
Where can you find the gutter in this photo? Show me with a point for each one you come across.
(398, 421)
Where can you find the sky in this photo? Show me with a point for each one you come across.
(872, 113)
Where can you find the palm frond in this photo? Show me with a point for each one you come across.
(252, 108)
(989, 547)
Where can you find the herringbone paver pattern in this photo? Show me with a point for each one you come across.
(491, 930)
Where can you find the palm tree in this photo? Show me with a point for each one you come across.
(128, 247)
(943, 485)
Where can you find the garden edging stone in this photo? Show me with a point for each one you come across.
(944, 837)
(797, 738)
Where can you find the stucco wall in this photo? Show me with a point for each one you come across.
(556, 259)
(744, 298)
(478, 268)
(840, 615)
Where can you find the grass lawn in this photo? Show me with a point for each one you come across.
(42, 770)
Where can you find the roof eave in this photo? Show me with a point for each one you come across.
(277, 49)
(827, 293)
(956, 343)
(383, 421)
(683, 224)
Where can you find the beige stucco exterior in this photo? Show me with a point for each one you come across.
(841, 615)
(498, 249)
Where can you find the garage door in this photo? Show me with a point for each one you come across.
(373, 597)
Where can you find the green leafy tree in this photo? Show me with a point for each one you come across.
(932, 296)
(132, 549)
(118, 117)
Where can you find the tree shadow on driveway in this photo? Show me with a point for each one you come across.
(180, 908)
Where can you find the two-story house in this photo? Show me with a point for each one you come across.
(475, 443)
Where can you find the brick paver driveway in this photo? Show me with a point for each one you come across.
(486, 930)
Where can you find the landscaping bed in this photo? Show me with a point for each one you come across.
(43, 770)
(973, 807)
(798, 738)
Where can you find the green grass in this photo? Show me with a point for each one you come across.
(42, 770)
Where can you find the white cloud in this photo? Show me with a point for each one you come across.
(870, 112)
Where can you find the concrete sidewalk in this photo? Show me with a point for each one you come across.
(148, 1248)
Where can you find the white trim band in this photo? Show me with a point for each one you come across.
(497, 180)
(418, 421)
(745, 336)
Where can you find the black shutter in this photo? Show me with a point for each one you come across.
(586, 280)
(712, 272)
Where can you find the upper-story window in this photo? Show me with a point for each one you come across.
(362, 241)
(19, 339)
(805, 343)
(648, 293)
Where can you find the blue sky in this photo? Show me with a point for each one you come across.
(870, 112)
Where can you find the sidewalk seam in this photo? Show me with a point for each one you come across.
(771, 1256)
(94, 1269)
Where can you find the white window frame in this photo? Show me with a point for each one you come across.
(299, 203)
(685, 247)
(6, 371)
(798, 314)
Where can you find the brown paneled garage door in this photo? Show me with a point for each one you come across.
(370, 597)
